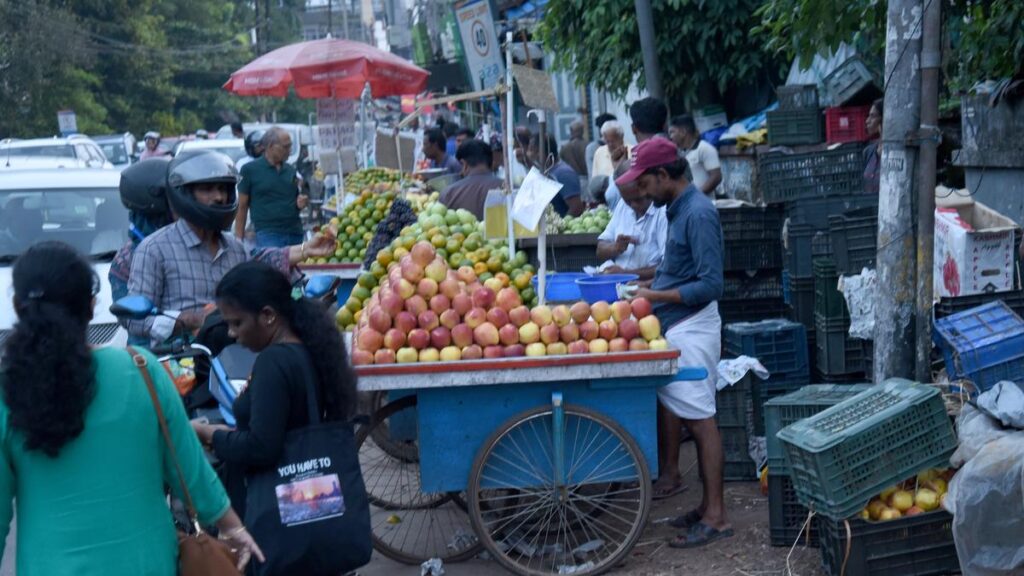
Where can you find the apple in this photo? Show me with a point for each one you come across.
(589, 330)
(467, 275)
(404, 289)
(549, 333)
(887, 493)
(608, 329)
(557, 349)
(926, 475)
(579, 347)
(422, 253)
(462, 304)
(569, 333)
(580, 312)
(462, 335)
(486, 335)
(875, 508)
(493, 284)
(436, 270)
(536, 349)
(926, 499)
(390, 303)
(440, 337)
(529, 333)
(618, 345)
(426, 288)
(384, 356)
(380, 320)
(864, 514)
(541, 315)
(449, 318)
(629, 329)
(658, 344)
(508, 335)
(483, 298)
(369, 340)
(394, 339)
(621, 310)
(599, 346)
(494, 352)
(901, 500)
(497, 316)
(412, 271)
(650, 328)
(361, 357)
(889, 514)
(473, 287)
(641, 307)
(475, 317)
(449, 287)
(514, 350)
(913, 511)
(394, 275)
(429, 355)
(405, 321)
(407, 355)
(428, 320)
(637, 344)
(601, 311)
(472, 352)
(508, 299)
(418, 339)
(560, 314)
(451, 354)
(519, 315)
(415, 305)
(938, 485)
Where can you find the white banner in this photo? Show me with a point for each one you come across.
(480, 43)
(336, 121)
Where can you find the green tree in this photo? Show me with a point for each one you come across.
(704, 47)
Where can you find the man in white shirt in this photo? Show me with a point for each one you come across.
(614, 152)
(705, 169)
(634, 241)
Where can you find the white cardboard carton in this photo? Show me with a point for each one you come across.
(973, 247)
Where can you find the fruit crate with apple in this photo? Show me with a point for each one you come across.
(842, 456)
(984, 345)
(909, 546)
(786, 515)
(787, 409)
(779, 344)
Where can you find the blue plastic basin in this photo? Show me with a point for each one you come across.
(560, 286)
(602, 286)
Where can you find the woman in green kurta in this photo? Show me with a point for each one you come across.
(80, 447)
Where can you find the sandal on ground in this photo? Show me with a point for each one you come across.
(698, 535)
(661, 494)
(686, 520)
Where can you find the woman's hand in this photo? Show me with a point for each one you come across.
(320, 246)
(205, 431)
(242, 544)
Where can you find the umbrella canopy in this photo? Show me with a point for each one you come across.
(328, 68)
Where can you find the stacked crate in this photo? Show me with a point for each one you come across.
(839, 357)
(798, 119)
(752, 263)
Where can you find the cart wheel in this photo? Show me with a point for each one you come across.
(534, 526)
(405, 451)
(409, 526)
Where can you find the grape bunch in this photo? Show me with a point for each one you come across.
(399, 216)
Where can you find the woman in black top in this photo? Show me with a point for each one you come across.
(296, 340)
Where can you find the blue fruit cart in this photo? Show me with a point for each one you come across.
(544, 462)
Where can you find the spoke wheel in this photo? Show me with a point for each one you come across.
(408, 525)
(532, 525)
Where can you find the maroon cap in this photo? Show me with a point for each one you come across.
(648, 154)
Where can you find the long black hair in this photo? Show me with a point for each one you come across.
(49, 378)
(252, 286)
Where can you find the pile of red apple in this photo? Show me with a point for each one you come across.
(425, 312)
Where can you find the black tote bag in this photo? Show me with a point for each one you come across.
(310, 514)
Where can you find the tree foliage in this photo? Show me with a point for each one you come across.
(134, 65)
(703, 45)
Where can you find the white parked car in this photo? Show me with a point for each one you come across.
(76, 151)
(300, 134)
(81, 207)
(233, 147)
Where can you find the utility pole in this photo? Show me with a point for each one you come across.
(649, 48)
(894, 347)
(931, 60)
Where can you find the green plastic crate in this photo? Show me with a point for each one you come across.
(841, 457)
(738, 465)
(795, 127)
(795, 406)
(828, 300)
(732, 404)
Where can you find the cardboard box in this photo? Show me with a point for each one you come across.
(974, 250)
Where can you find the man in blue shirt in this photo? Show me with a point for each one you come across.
(684, 293)
(435, 150)
(569, 199)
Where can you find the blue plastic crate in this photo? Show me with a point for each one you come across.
(780, 345)
(984, 345)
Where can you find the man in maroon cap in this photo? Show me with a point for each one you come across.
(685, 290)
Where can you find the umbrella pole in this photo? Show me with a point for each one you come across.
(507, 109)
(340, 192)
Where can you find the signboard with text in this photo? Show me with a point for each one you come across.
(337, 123)
(480, 43)
(67, 122)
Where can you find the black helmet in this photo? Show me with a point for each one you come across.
(202, 167)
(144, 186)
(252, 140)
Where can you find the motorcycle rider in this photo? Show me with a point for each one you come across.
(178, 267)
(153, 149)
(253, 147)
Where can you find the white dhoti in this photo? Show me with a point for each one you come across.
(699, 340)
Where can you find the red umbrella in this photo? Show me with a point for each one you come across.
(328, 68)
